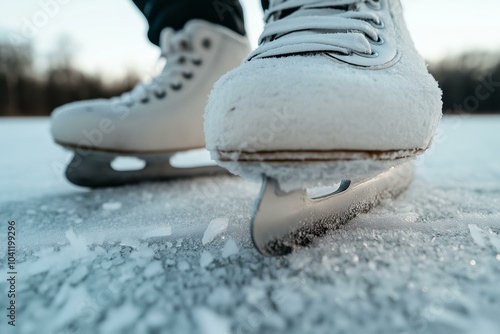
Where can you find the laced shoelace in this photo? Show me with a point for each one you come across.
(181, 59)
(305, 26)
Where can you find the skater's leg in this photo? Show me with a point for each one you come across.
(176, 13)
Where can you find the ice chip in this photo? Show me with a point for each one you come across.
(112, 206)
(78, 244)
(476, 234)
(230, 248)
(205, 259)
(216, 227)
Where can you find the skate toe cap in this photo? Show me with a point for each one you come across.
(314, 103)
(72, 123)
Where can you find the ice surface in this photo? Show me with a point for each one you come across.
(34, 150)
(427, 262)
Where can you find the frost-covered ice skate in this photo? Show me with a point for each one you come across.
(156, 119)
(335, 90)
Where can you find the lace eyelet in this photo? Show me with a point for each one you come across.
(181, 60)
(197, 62)
(206, 43)
(374, 4)
(176, 87)
(145, 100)
(373, 54)
(160, 95)
(184, 45)
(187, 75)
(379, 25)
(379, 42)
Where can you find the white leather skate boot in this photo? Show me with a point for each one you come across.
(156, 119)
(332, 80)
(335, 91)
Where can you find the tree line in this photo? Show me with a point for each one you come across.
(28, 91)
(470, 82)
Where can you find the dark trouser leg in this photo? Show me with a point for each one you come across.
(175, 13)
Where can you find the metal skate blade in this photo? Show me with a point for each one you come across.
(94, 170)
(285, 221)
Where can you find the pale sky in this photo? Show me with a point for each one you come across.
(109, 37)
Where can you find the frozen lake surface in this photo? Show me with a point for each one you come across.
(176, 257)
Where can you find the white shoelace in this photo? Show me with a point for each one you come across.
(181, 60)
(318, 26)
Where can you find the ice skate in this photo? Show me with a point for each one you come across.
(335, 91)
(155, 120)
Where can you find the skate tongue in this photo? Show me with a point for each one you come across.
(165, 36)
